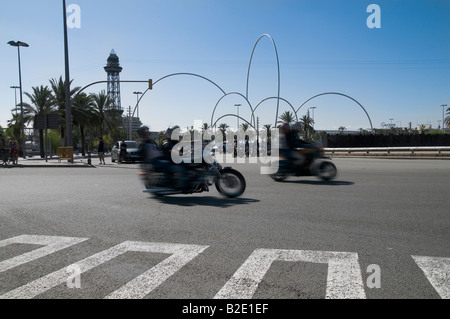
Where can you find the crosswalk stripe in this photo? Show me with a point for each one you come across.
(51, 244)
(344, 274)
(138, 288)
(437, 271)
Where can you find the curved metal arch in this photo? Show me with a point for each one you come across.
(231, 93)
(213, 125)
(341, 94)
(192, 74)
(278, 67)
(98, 82)
(274, 97)
(174, 74)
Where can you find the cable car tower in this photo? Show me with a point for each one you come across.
(113, 70)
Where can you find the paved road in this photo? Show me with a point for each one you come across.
(380, 230)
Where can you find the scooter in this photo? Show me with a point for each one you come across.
(313, 163)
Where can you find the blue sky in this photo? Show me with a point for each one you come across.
(399, 73)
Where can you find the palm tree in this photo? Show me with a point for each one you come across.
(14, 125)
(59, 99)
(268, 128)
(42, 103)
(341, 129)
(245, 126)
(205, 127)
(83, 115)
(308, 126)
(223, 129)
(287, 117)
(102, 104)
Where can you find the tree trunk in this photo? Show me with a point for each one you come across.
(83, 141)
(41, 143)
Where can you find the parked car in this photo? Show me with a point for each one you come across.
(133, 154)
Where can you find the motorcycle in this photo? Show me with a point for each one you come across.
(159, 180)
(314, 163)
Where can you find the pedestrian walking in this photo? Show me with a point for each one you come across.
(123, 151)
(13, 151)
(101, 151)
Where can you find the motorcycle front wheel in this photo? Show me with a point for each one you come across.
(326, 170)
(230, 183)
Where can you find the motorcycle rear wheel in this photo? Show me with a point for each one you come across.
(230, 183)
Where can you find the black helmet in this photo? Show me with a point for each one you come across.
(298, 126)
(169, 132)
(143, 131)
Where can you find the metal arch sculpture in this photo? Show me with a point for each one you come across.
(274, 97)
(237, 93)
(174, 74)
(278, 67)
(234, 115)
(344, 95)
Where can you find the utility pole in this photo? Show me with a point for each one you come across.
(237, 106)
(129, 122)
(19, 44)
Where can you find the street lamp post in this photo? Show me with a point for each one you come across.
(68, 102)
(443, 117)
(137, 101)
(131, 113)
(237, 106)
(313, 108)
(15, 96)
(19, 44)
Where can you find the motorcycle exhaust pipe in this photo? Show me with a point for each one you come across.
(162, 191)
(154, 190)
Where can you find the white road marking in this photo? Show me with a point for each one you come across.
(344, 278)
(145, 283)
(137, 288)
(437, 271)
(51, 244)
(344, 275)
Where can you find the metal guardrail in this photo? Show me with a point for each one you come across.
(388, 150)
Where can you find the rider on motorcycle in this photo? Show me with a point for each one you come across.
(167, 148)
(148, 147)
(290, 140)
(161, 157)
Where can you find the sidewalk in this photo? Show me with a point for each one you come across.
(37, 161)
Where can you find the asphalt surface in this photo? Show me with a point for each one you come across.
(385, 211)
